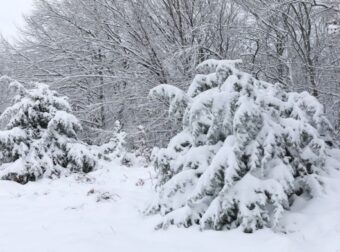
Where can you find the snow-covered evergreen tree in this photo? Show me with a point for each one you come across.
(41, 137)
(247, 150)
(115, 147)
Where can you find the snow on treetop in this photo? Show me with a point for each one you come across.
(214, 65)
(177, 98)
(31, 100)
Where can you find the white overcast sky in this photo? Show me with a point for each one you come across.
(11, 12)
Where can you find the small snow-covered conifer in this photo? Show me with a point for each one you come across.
(115, 147)
(40, 138)
(247, 150)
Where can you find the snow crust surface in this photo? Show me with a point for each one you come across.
(102, 211)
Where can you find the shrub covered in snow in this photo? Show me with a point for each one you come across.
(114, 149)
(41, 137)
(247, 150)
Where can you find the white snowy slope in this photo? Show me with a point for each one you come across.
(102, 212)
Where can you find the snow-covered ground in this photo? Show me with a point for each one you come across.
(102, 212)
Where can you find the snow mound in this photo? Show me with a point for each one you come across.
(101, 211)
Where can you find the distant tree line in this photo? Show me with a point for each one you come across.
(106, 55)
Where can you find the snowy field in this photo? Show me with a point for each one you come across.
(102, 212)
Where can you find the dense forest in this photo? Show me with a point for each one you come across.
(106, 55)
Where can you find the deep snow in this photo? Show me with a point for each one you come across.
(74, 214)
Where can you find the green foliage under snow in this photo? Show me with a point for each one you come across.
(247, 150)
